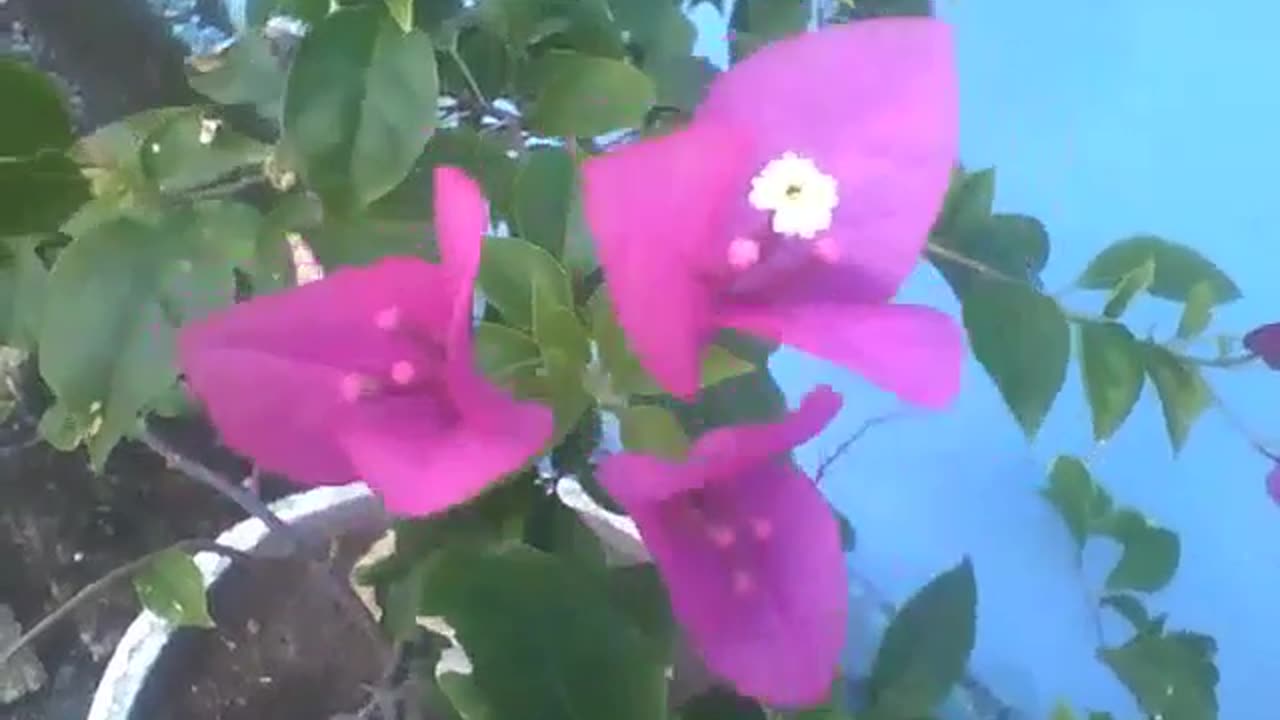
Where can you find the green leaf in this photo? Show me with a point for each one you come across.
(1178, 269)
(638, 591)
(545, 640)
(1082, 502)
(968, 201)
(1022, 340)
(566, 350)
(186, 151)
(758, 22)
(1150, 556)
(579, 95)
(628, 376)
(116, 150)
(652, 430)
(1111, 367)
(483, 157)
(848, 534)
(545, 185)
(835, 708)
(1016, 246)
(38, 193)
(1062, 711)
(721, 704)
(115, 297)
(23, 278)
(35, 118)
(1130, 608)
(61, 428)
(247, 73)
(555, 528)
(402, 12)
(681, 81)
(1135, 281)
(171, 587)
(1184, 396)
(658, 27)
(360, 104)
(926, 647)
(510, 268)
(582, 25)
(1198, 311)
(1172, 676)
(506, 354)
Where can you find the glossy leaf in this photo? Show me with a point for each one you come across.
(1111, 367)
(1197, 312)
(1135, 281)
(926, 647)
(544, 639)
(577, 95)
(360, 105)
(183, 153)
(1172, 676)
(1022, 340)
(171, 587)
(1178, 269)
(1184, 396)
(509, 270)
(1082, 502)
(652, 430)
(1150, 556)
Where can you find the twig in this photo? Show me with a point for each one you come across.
(848, 442)
(339, 590)
(106, 582)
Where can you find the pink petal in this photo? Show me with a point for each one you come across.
(422, 461)
(886, 128)
(726, 452)
(658, 212)
(460, 220)
(1264, 342)
(270, 371)
(913, 351)
(769, 615)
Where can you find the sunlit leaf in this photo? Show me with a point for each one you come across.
(579, 95)
(171, 587)
(194, 148)
(1150, 556)
(1178, 269)
(1197, 312)
(1184, 396)
(1172, 676)
(1082, 502)
(1111, 367)
(509, 270)
(652, 430)
(1022, 340)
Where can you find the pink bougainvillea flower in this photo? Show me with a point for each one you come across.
(792, 207)
(369, 373)
(750, 552)
(1264, 342)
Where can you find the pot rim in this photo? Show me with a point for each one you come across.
(147, 636)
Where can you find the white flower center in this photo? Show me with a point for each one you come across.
(801, 197)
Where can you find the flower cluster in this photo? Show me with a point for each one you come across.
(790, 208)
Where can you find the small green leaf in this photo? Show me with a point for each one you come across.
(509, 270)
(402, 12)
(543, 637)
(1172, 676)
(62, 429)
(360, 105)
(1082, 502)
(1184, 396)
(171, 587)
(926, 647)
(1111, 367)
(968, 202)
(1150, 553)
(566, 350)
(652, 430)
(194, 148)
(1197, 312)
(1023, 341)
(583, 96)
(681, 81)
(1135, 281)
(582, 25)
(247, 73)
(1178, 269)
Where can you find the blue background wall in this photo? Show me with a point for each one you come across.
(1146, 117)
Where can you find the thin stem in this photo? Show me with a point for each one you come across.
(472, 85)
(106, 582)
(848, 442)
